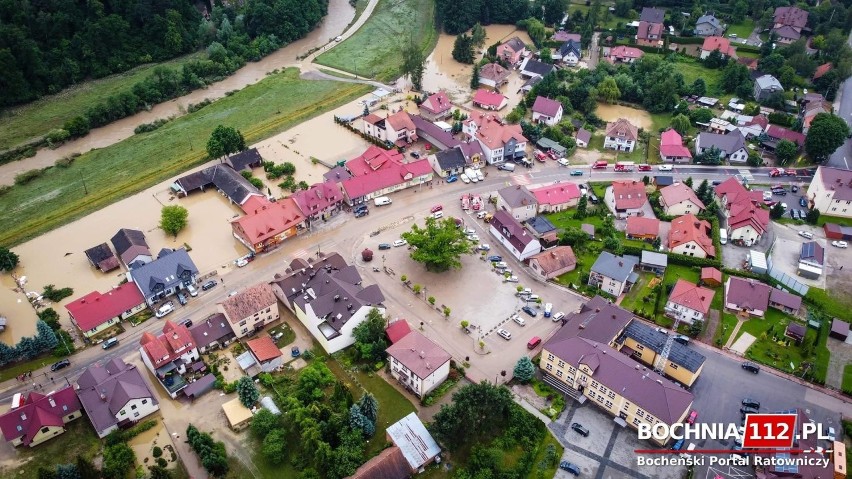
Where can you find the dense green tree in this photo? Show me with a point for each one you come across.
(524, 370)
(485, 405)
(813, 216)
(554, 10)
(477, 35)
(264, 422)
(8, 259)
(777, 211)
(574, 237)
(826, 134)
(212, 453)
(159, 472)
(412, 64)
(118, 459)
(173, 218)
(456, 16)
(439, 245)
(623, 7)
(698, 87)
(86, 468)
(688, 181)
(474, 77)
(463, 49)
(733, 76)
(225, 140)
(273, 446)
(247, 392)
(370, 342)
(680, 123)
(357, 420)
(786, 152)
(608, 90)
(369, 407)
(701, 115)
(582, 208)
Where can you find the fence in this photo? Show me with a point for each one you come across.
(788, 281)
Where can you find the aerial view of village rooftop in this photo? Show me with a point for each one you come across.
(389, 239)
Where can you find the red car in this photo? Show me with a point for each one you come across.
(436, 208)
(644, 167)
(692, 417)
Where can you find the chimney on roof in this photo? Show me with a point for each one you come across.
(636, 367)
(422, 354)
(103, 395)
(336, 298)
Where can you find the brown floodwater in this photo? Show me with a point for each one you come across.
(340, 14)
(640, 118)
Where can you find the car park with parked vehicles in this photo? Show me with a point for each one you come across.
(182, 299)
(504, 334)
(521, 321)
(192, 290)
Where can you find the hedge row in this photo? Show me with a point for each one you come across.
(687, 40)
(674, 258)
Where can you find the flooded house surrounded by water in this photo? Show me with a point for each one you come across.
(328, 297)
(489, 100)
(168, 354)
(534, 68)
(132, 247)
(213, 333)
(250, 309)
(96, 312)
(36, 418)
(396, 129)
(172, 271)
(381, 182)
(115, 395)
(436, 107)
(499, 141)
(319, 202)
(493, 75)
(267, 224)
(245, 160)
(102, 258)
(511, 51)
(224, 178)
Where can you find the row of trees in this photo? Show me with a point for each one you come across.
(211, 452)
(30, 347)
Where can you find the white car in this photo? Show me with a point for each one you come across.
(767, 195)
(806, 234)
(501, 265)
(438, 215)
(165, 309)
(481, 215)
(784, 206)
(563, 161)
(519, 320)
(193, 291)
(479, 175)
(242, 262)
(473, 237)
(464, 178)
(665, 167)
(484, 247)
(469, 231)
(400, 242)
(558, 316)
(840, 244)
(510, 279)
(831, 434)
(338, 38)
(504, 334)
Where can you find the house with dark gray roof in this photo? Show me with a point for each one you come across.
(568, 53)
(131, 247)
(708, 26)
(448, 162)
(645, 344)
(533, 68)
(245, 160)
(654, 262)
(212, 333)
(115, 395)
(517, 201)
(731, 146)
(765, 86)
(614, 274)
(102, 258)
(172, 271)
(811, 260)
(747, 296)
(221, 176)
(511, 234)
(328, 297)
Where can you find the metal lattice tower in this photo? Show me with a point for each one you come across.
(660, 363)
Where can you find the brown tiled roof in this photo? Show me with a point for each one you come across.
(688, 228)
(628, 195)
(622, 128)
(555, 259)
(692, 296)
(598, 320)
(677, 193)
(838, 180)
(389, 464)
(747, 293)
(783, 298)
(419, 354)
(641, 226)
(494, 72)
(710, 272)
(249, 301)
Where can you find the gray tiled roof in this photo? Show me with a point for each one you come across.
(768, 81)
(540, 225)
(655, 259)
(680, 354)
(450, 159)
(652, 15)
(536, 67)
(245, 160)
(615, 267)
(214, 328)
(517, 196)
(598, 320)
(166, 271)
(709, 19)
(568, 47)
(728, 143)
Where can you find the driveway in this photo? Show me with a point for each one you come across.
(788, 247)
(733, 256)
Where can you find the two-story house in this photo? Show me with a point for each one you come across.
(553, 262)
(34, 418)
(96, 312)
(319, 202)
(621, 135)
(546, 111)
(131, 247)
(115, 395)
(267, 224)
(328, 297)
(517, 201)
(689, 302)
(172, 271)
(680, 199)
(493, 75)
(556, 197)
(650, 30)
(626, 198)
(167, 355)
(672, 149)
(691, 236)
(788, 23)
(397, 177)
(765, 86)
(613, 274)
(720, 44)
(499, 141)
(418, 363)
(747, 296)
(212, 333)
(830, 191)
(512, 50)
(511, 234)
(397, 128)
(569, 53)
(731, 146)
(708, 25)
(745, 220)
(251, 309)
(436, 107)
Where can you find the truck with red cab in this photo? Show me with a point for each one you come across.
(600, 165)
(624, 166)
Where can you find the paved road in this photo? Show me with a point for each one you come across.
(594, 50)
(843, 108)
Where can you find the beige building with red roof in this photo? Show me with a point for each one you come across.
(499, 140)
(250, 309)
(689, 302)
(745, 219)
(167, 355)
(436, 107)
(722, 44)
(624, 54)
(830, 191)
(691, 236)
(418, 364)
(396, 128)
(553, 262)
(265, 353)
(626, 198)
(266, 224)
(680, 199)
(96, 312)
(493, 75)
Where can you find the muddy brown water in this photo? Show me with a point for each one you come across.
(340, 14)
(640, 118)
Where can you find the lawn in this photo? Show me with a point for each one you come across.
(635, 298)
(272, 105)
(692, 69)
(838, 220)
(742, 30)
(726, 327)
(35, 119)
(847, 379)
(637, 155)
(375, 49)
(79, 438)
(776, 353)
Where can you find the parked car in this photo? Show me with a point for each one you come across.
(165, 309)
(242, 262)
(784, 206)
(692, 417)
(110, 343)
(506, 167)
(779, 192)
(294, 352)
(187, 323)
(569, 467)
(532, 312)
(678, 445)
(504, 334)
(840, 244)
(436, 208)
(452, 179)
(383, 246)
(483, 247)
(209, 285)
(832, 434)
(794, 189)
(481, 215)
(464, 178)
(748, 410)
(399, 242)
(519, 320)
(415, 155)
(182, 298)
(548, 309)
(749, 402)
(579, 429)
(717, 182)
(806, 234)
(193, 291)
(767, 195)
(644, 167)
(510, 279)
(438, 215)
(361, 213)
(360, 207)
(232, 293)
(577, 173)
(665, 167)
(473, 237)
(501, 264)
(495, 258)
(803, 202)
(558, 316)
(60, 365)
(750, 367)
(564, 162)
(682, 339)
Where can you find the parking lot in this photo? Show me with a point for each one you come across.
(788, 246)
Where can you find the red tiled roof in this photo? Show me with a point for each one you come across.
(372, 119)
(546, 106)
(646, 29)
(688, 228)
(822, 70)
(678, 193)
(709, 272)
(95, 308)
(495, 134)
(163, 348)
(374, 158)
(641, 226)
(761, 120)
(381, 179)
(400, 121)
(397, 330)
(623, 51)
(556, 194)
(494, 72)
(692, 296)
(719, 43)
(437, 103)
(263, 348)
(38, 411)
(629, 195)
(269, 220)
(488, 98)
(781, 133)
(419, 354)
(317, 198)
(622, 128)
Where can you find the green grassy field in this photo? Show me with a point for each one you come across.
(375, 49)
(726, 327)
(258, 111)
(79, 438)
(692, 69)
(34, 120)
(847, 378)
(742, 30)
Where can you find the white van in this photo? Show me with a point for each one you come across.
(479, 175)
(382, 201)
(507, 167)
(471, 174)
(686, 455)
(723, 236)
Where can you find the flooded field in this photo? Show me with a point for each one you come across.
(340, 13)
(640, 118)
(444, 73)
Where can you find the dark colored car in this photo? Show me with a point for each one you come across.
(209, 285)
(717, 182)
(750, 367)
(182, 299)
(749, 402)
(361, 213)
(803, 202)
(384, 246)
(60, 365)
(495, 258)
(529, 311)
(111, 342)
(678, 445)
(577, 173)
(295, 352)
(360, 207)
(748, 410)
(794, 188)
(568, 467)
(579, 429)
(187, 323)
(414, 154)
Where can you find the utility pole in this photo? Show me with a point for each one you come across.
(85, 189)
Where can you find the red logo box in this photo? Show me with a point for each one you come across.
(769, 431)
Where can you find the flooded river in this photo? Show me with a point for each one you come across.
(340, 14)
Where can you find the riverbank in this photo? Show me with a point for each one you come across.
(104, 176)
